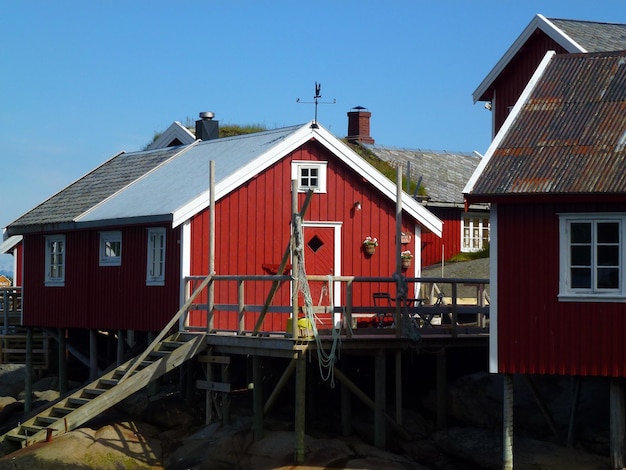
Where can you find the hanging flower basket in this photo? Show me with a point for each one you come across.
(369, 245)
(405, 259)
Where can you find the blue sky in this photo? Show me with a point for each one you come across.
(82, 80)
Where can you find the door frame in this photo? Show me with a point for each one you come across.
(336, 226)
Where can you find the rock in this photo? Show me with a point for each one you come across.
(4, 401)
(12, 378)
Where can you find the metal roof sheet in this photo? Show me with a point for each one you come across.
(181, 179)
(569, 136)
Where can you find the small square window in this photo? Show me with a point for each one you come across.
(310, 175)
(110, 248)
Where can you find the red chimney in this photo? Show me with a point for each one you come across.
(359, 125)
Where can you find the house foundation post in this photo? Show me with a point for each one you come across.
(300, 408)
(28, 381)
(507, 424)
(257, 397)
(379, 401)
(442, 389)
(93, 354)
(617, 422)
(120, 347)
(399, 387)
(62, 345)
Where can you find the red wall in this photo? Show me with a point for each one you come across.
(450, 239)
(253, 228)
(514, 78)
(537, 334)
(105, 297)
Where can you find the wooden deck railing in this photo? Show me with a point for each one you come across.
(445, 306)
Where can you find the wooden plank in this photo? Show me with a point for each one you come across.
(213, 386)
(214, 359)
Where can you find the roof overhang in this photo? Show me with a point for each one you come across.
(334, 145)
(10, 243)
(538, 22)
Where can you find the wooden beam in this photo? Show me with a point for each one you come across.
(257, 398)
(212, 386)
(300, 408)
(618, 427)
(507, 423)
(380, 396)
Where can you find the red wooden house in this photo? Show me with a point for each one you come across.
(504, 84)
(554, 176)
(111, 250)
(442, 176)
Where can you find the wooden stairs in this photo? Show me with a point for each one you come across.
(71, 412)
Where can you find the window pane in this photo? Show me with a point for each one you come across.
(608, 232)
(608, 278)
(581, 255)
(608, 255)
(581, 232)
(581, 278)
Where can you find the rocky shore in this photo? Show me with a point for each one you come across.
(165, 431)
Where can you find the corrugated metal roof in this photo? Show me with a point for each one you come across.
(594, 36)
(443, 174)
(569, 136)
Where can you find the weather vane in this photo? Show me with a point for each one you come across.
(316, 101)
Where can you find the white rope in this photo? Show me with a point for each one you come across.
(326, 361)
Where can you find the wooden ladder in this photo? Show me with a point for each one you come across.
(76, 409)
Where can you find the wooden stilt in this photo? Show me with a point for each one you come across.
(507, 425)
(572, 417)
(226, 378)
(120, 347)
(542, 406)
(361, 395)
(28, 383)
(399, 387)
(346, 410)
(62, 361)
(287, 373)
(379, 401)
(93, 354)
(300, 408)
(442, 389)
(208, 396)
(257, 397)
(153, 386)
(617, 422)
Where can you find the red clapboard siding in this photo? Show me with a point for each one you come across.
(105, 297)
(537, 334)
(253, 229)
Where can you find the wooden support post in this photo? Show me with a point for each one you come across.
(120, 348)
(346, 410)
(507, 423)
(93, 354)
(28, 384)
(226, 378)
(572, 417)
(153, 385)
(399, 387)
(542, 406)
(442, 389)
(618, 427)
(300, 408)
(287, 373)
(208, 394)
(379, 401)
(62, 345)
(257, 397)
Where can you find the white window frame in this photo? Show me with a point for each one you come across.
(469, 218)
(592, 293)
(107, 257)
(55, 260)
(298, 166)
(155, 269)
